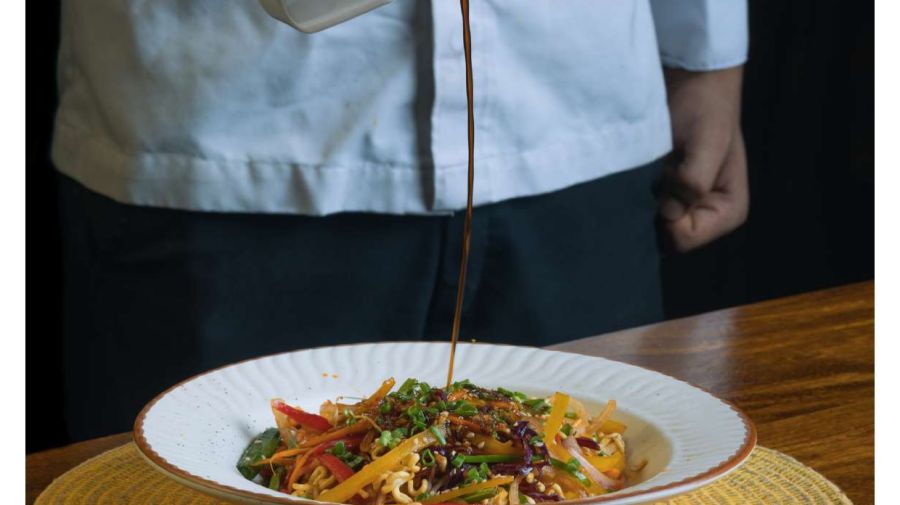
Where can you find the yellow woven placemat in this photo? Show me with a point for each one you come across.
(122, 476)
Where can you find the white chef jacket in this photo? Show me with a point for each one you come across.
(213, 105)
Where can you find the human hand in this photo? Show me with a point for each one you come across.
(704, 191)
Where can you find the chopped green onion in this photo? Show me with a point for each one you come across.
(573, 467)
(390, 439)
(566, 429)
(385, 407)
(417, 416)
(338, 450)
(407, 386)
(463, 384)
(477, 474)
(427, 458)
(438, 435)
(514, 395)
(465, 410)
(353, 461)
(538, 405)
(571, 415)
(458, 460)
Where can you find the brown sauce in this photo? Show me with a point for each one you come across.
(467, 229)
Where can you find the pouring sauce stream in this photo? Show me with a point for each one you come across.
(467, 229)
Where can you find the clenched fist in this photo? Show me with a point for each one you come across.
(705, 193)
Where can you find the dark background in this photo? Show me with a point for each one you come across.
(809, 127)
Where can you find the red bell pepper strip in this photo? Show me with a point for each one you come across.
(311, 421)
(338, 468)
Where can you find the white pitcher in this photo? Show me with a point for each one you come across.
(314, 15)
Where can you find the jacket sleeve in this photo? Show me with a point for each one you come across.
(701, 34)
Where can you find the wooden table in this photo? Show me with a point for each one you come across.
(801, 367)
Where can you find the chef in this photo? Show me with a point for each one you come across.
(232, 187)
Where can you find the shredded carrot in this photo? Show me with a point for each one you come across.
(297, 471)
(457, 395)
(279, 456)
(497, 404)
(370, 421)
(328, 436)
(468, 424)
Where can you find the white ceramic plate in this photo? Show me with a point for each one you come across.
(195, 431)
